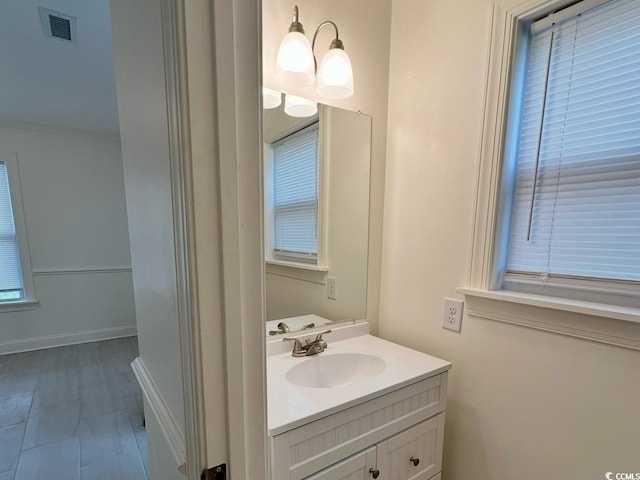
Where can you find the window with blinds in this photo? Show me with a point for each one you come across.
(11, 288)
(575, 214)
(295, 196)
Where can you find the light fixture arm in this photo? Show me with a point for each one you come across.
(295, 26)
(335, 43)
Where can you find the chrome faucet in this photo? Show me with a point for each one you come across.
(309, 347)
(284, 328)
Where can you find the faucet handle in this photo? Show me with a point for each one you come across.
(298, 349)
(297, 344)
(319, 336)
(320, 342)
(283, 327)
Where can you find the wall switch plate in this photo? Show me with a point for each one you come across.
(331, 288)
(452, 315)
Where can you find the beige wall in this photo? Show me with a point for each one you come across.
(364, 28)
(524, 403)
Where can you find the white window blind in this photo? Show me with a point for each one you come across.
(576, 205)
(295, 194)
(11, 288)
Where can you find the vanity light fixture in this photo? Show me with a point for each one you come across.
(271, 98)
(296, 63)
(299, 107)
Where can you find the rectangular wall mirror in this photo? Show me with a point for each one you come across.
(316, 184)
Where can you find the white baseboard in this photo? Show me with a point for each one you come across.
(60, 340)
(171, 431)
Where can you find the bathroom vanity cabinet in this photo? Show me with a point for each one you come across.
(395, 436)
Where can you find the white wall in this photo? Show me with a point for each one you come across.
(364, 28)
(523, 403)
(142, 107)
(347, 153)
(74, 206)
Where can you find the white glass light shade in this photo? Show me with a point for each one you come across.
(299, 107)
(294, 63)
(270, 98)
(335, 76)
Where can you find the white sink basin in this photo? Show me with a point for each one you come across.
(326, 370)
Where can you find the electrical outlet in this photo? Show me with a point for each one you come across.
(331, 288)
(452, 315)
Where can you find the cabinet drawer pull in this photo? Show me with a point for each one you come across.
(374, 472)
(415, 461)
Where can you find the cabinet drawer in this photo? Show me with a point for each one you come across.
(353, 468)
(415, 454)
(308, 449)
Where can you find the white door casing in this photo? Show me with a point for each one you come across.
(237, 39)
(189, 111)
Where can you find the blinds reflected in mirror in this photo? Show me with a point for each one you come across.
(295, 195)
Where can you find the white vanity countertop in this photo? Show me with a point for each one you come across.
(290, 405)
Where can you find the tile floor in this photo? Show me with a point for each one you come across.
(72, 413)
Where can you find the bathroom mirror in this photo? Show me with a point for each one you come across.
(316, 219)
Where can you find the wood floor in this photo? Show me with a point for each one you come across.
(72, 413)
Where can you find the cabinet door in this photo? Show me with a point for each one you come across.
(355, 467)
(415, 454)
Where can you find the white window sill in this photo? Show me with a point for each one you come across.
(298, 271)
(19, 306)
(593, 321)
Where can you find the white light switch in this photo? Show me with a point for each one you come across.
(331, 288)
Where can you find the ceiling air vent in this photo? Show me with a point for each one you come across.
(57, 25)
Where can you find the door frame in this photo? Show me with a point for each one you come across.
(238, 66)
(174, 45)
(236, 135)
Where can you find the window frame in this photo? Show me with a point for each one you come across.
(289, 267)
(485, 297)
(615, 291)
(29, 301)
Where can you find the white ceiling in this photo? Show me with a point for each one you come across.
(55, 83)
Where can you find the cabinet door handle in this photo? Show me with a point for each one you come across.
(374, 472)
(415, 461)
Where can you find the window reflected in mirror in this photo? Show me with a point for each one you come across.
(316, 218)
